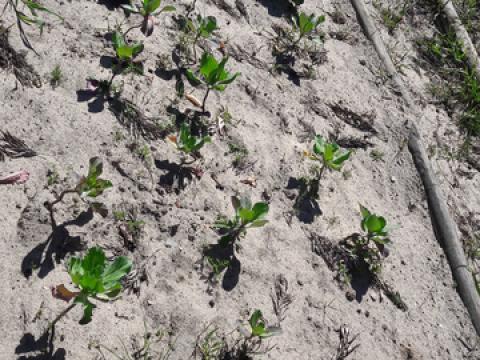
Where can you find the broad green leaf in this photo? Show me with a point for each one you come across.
(260, 209)
(115, 271)
(342, 157)
(375, 223)
(149, 6)
(319, 146)
(118, 40)
(137, 49)
(208, 65)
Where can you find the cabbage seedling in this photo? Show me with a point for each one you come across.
(258, 327)
(212, 74)
(201, 28)
(188, 143)
(370, 247)
(246, 216)
(330, 155)
(96, 278)
(126, 54)
(89, 186)
(148, 9)
(303, 26)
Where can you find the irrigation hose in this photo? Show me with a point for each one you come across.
(443, 225)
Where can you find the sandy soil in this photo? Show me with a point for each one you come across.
(275, 118)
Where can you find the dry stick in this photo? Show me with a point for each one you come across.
(442, 223)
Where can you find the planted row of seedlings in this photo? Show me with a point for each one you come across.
(99, 280)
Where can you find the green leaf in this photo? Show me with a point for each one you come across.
(208, 66)
(260, 209)
(258, 223)
(114, 272)
(149, 6)
(341, 158)
(168, 8)
(319, 146)
(95, 167)
(364, 211)
(118, 40)
(375, 223)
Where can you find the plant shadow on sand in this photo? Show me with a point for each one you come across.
(277, 8)
(226, 253)
(59, 243)
(42, 348)
(306, 205)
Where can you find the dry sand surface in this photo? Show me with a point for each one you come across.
(274, 117)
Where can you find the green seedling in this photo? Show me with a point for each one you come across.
(210, 345)
(90, 186)
(96, 278)
(34, 8)
(125, 55)
(258, 327)
(292, 41)
(306, 25)
(56, 76)
(330, 157)
(188, 143)
(212, 74)
(252, 337)
(148, 9)
(200, 28)
(369, 248)
(246, 216)
(329, 154)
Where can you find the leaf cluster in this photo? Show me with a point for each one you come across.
(188, 142)
(92, 185)
(96, 278)
(126, 54)
(211, 73)
(329, 153)
(258, 327)
(246, 216)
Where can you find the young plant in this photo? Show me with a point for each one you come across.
(90, 186)
(258, 327)
(125, 55)
(369, 248)
(329, 154)
(212, 74)
(33, 7)
(96, 278)
(246, 216)
(303, 26)
(56, 76)
(188, 143)
(200, 28)
(148, 9)
(331, 157)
